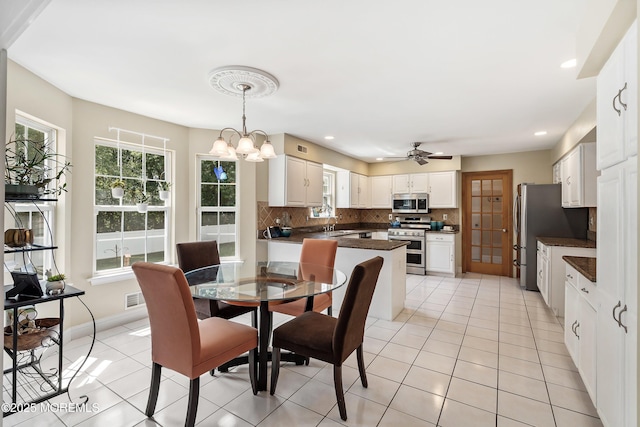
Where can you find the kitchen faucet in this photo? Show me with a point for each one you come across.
(330, 227)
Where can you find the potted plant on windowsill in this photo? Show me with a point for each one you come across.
(164, 190)
(142, 201)
(33, 169)
(117, 189)
(55, 284)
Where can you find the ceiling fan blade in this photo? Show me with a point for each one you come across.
(421, 161)
(441, 157)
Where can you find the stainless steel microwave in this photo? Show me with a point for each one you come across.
(410, 203)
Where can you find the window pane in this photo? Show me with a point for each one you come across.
(154, 166)
(486, 187)
(475, 253)
(497, 187)
(475, 237)
(497, 256)
(497, 204)
(134, 221)
(230, 169)
(486, 204)
(497, 221)
(227, 195)
(209, 195)
(132, 163)
(475, 187)
(103, 191)
(155, 246)
(227, 246)
(486, 221)
(206, 171)
(155, 220)
(228, 218)
(107, 161)
(497, 238)
(475, 204)
(109, 222)
(475, 220)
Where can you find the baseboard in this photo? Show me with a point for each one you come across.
(103, 324)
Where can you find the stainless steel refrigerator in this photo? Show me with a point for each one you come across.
(538, 212)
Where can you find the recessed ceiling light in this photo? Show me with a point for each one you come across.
(540, 133)
(569, 64)
(439, 153)
(329, 137)
(379, 158)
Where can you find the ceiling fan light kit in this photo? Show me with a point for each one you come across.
(245, 82)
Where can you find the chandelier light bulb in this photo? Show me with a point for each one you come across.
(254, 157)
(231, 153)
(220, 147)
(245, 146)
(267, 151)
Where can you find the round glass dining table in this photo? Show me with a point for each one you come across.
(271, 282)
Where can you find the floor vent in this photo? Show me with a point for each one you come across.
(302, 148)
(133, 300)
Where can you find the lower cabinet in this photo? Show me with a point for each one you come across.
(441, 253)
(581, 326)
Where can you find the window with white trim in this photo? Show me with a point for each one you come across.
(39, 217)
(124, 232)
(217, 195)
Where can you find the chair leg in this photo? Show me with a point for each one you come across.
(275, 369)
(192, 406)
(254, 318)
(253, 360)
(337, 379)
(153, 391)
(363, 373)
(330, 311)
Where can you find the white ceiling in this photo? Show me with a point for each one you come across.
(467, 77)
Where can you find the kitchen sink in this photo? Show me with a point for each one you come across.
(341, 232)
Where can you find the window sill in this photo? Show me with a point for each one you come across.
(104, 279)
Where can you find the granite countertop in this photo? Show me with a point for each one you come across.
(584, 265)
(567, 241)
(345, 242)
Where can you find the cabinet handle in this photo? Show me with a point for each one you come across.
(576, 330)
(568, 180)
(613, 103)
(614, 312)
(573, 325)
(620, 98)
(620, 318)
(584, 290)
(570, 276)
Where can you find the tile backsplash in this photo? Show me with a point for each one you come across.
(300, 217)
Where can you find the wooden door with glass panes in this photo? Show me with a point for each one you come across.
(487, 218)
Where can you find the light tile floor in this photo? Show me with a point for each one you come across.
(471, 351)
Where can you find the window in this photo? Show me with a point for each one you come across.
(123, 234)
(217, 204)
(39, 217)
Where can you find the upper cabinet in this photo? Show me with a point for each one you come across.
(578, 179)
(352, 190)
(441, 187)
(381, 191)
(617, 103)
(294, 182)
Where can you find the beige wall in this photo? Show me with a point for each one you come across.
(583, 129)
(530, 166)
(409, 166)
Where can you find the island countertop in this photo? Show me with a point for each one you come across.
(346, 242)
(567, 241)
(584, 265)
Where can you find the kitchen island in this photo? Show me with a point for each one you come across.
(388, 298)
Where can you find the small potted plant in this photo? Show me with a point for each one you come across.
(117, 188)
(164, 190)
(55, 284)
(142, 200)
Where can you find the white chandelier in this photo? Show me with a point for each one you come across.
(238, 80)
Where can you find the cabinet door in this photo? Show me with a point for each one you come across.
(401, 184)
(564, 169)
(543, 278)
(440, 257)
(610, 250)
(571, 299)
(443, 189)
(381, 191)
(354, 190)
(574, 178)
(314, 184)
(557, 176)
(630, 95)
(610, 129)
(587, 346)
(420, 183)
(296, 182)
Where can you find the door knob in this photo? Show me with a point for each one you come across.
(504, 230)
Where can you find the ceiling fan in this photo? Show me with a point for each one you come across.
(421, 156)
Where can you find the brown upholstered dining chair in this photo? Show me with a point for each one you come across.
(314, 252)
(194, 255)
(182, 343)
(329, 339)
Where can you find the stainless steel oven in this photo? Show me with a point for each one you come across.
(416, 250)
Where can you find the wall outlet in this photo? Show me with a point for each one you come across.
(444, 217)
(390, 217)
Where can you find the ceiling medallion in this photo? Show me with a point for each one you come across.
(232, 79)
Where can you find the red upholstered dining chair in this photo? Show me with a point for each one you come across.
(182, 343)
(320, 252)
(194, 255)
(329, 339)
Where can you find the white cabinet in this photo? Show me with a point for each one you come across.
(381, 191)
(617, 104)
(411, 183)
(352, 190)
(442, 187)
(617, 294)
(580, 326)
(578, 170)
(441, 253)
(380, 235)
(557, 173)
(294, 182)
(553, 273)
